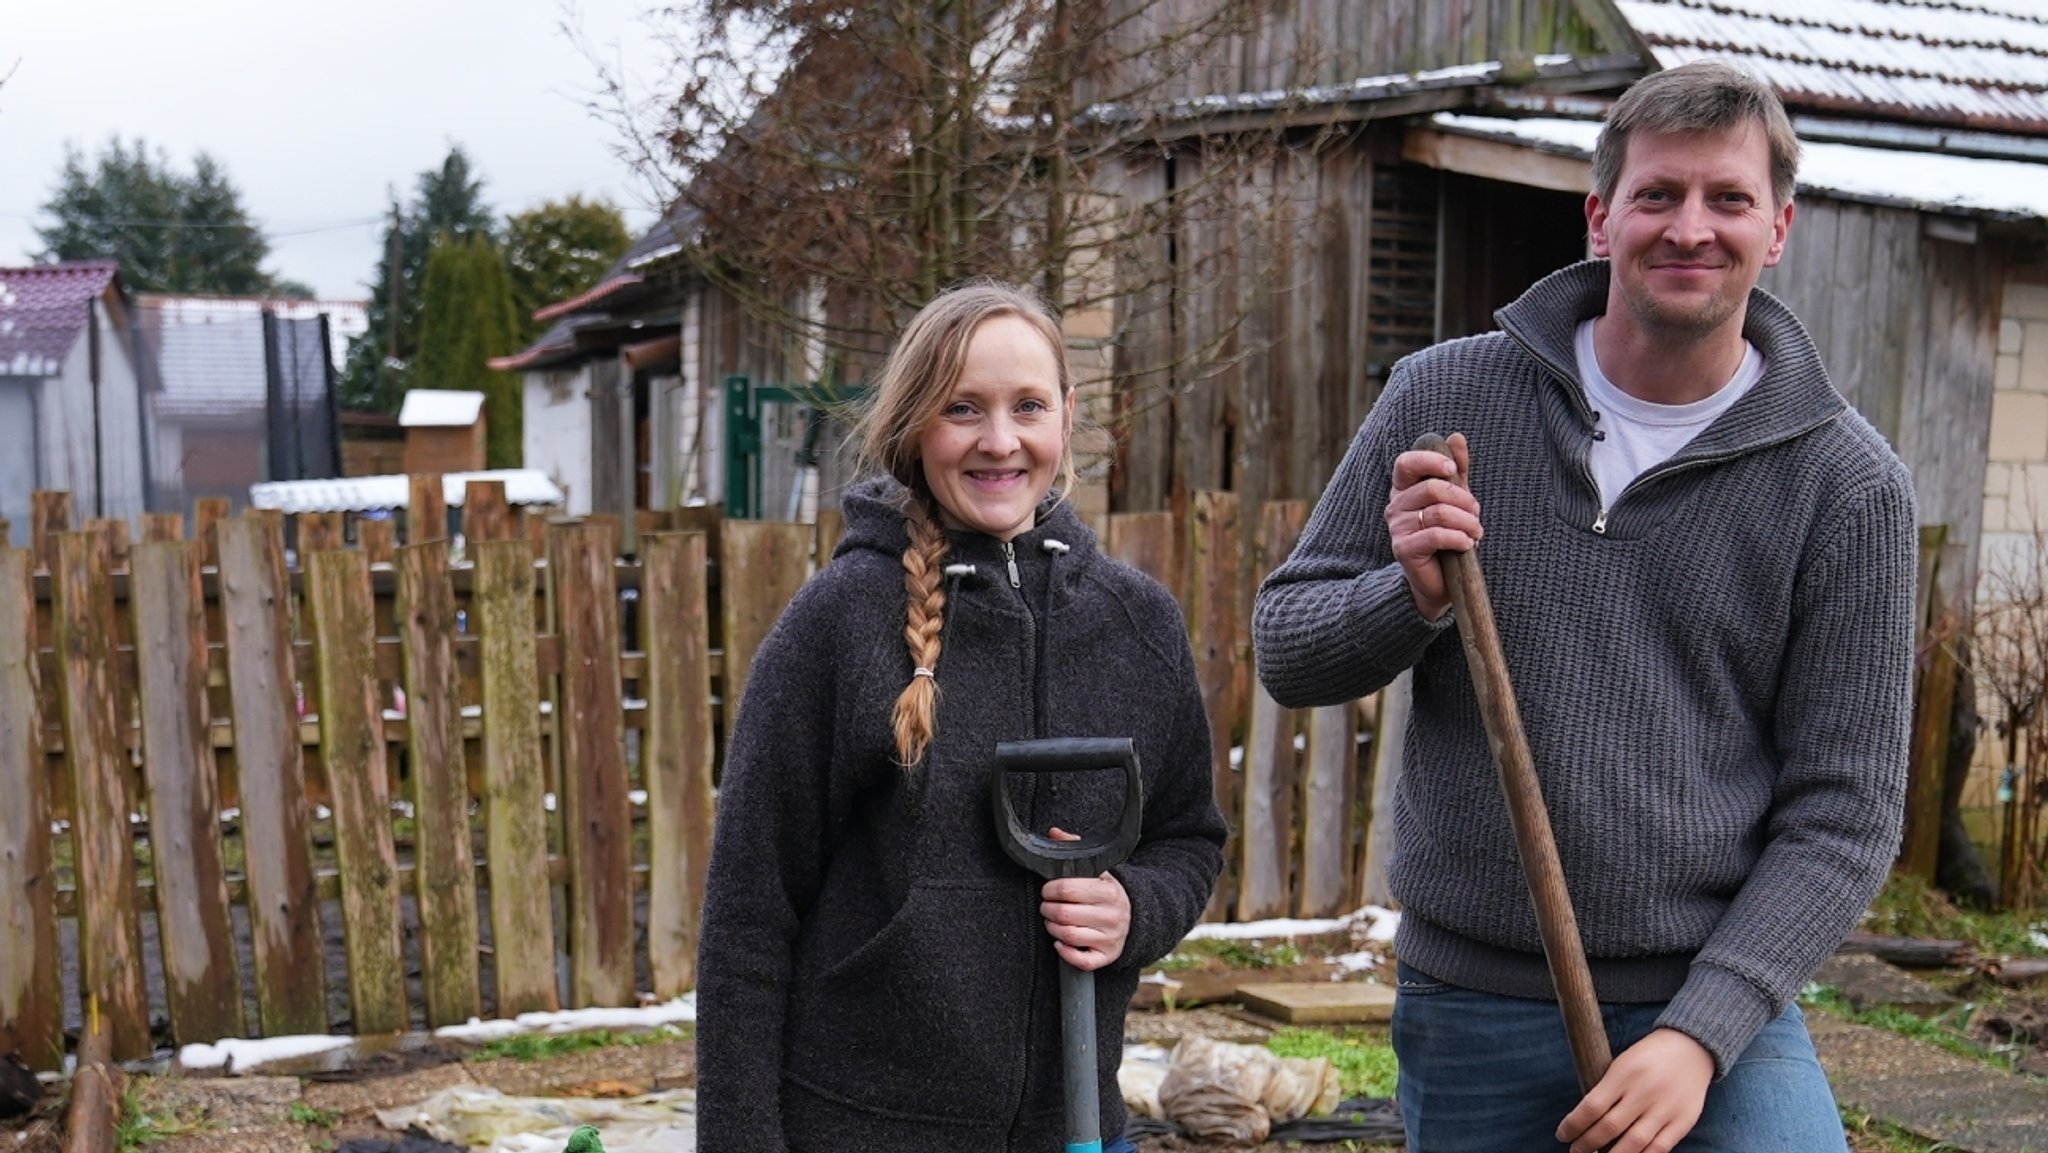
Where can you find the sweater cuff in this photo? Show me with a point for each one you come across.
(1720, 1010)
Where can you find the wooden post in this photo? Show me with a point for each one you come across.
(352, 747)
(208, 511)
(318, 532)
(110, 943)
(31, 974)
(50, 514)
(760, 571)
(596, 816)
(678, 753)
(376, 540)
(515, 826)
(1390, 739)
(283, 903)
(831, 526)
(159, 526)
(1212, 621)
(1148, 542)
(201, 977)
(1937, 628)
(92, 1118)
(426, 509)
(446, 872)
(1266, 837)
(113, 531)
(485, 515)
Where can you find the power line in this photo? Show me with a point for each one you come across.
(115, 222)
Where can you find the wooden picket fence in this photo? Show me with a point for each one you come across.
(207, 770)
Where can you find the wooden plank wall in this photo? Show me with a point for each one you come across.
(263, 703)
(1182, 49)
(1908, 328)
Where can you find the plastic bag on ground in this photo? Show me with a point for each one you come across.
(1219, 1089)
(483, 1118)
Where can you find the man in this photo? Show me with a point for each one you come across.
(1702, 565)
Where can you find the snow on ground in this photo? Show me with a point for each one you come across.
(240, 1056)
(1380, 925)
(683, 1008)
(236, 1054)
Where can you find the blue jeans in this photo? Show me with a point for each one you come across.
(1120, 1145)
(1482, 1073)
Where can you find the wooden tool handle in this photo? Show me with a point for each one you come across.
(1562, 947)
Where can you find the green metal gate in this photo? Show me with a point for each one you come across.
(762, 419)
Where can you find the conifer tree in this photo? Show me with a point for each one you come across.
(466, 318)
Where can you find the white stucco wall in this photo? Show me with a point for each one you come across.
(557, 436)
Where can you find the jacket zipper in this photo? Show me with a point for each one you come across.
(1010, 559)
(1037, 722)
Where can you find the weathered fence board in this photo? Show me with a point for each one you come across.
(675, 620)
(207, 512)
(340, 606)
(485, 515)
(109, 939)
(1212, 621)
(446, 869)
(515, 826)
(426, 510)
(761, 567)
(1330, 765)
(157, 526)
(201, 977)
(31, 989)
(1145, 541)
(596, 817)
(49, 514)
(1266, 835)
(376, 540)
(318, 532)
(283, 904)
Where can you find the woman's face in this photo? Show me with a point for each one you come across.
(995, 449)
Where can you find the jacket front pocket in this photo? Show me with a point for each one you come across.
(925, 1017)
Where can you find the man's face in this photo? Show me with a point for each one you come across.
(1692, 225)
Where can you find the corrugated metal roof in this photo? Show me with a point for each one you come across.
(440, 408)
(523, 486)
(1930, 181)
(42, 312)
(1975, 63)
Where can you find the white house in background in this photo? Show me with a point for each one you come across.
(71, 405)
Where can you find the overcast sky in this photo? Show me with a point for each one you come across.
(315, 112)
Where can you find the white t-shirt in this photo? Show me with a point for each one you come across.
(1639, 434)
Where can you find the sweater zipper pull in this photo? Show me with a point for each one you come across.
(1010, 558)
(1600, 523)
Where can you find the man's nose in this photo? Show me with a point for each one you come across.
(1690, 226)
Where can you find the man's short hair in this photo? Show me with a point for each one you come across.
(1703, 96)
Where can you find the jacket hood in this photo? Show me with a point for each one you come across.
(1793, 397)
(873, 508)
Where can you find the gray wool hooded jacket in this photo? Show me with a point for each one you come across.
(1714, 674)
(873, 971)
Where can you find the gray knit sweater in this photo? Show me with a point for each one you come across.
(1715, 682)
(874, 973)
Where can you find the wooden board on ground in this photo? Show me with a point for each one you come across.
(1319, 1002)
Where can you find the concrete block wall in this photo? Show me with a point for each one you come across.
(2015, 491)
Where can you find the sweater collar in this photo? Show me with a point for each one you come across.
(1794, 397)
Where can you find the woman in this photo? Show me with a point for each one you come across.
(873, 970)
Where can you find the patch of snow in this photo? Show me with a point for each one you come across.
(636, 796)
(1357, 962)
(1380, 925)
(547, 801)
(683, 1008)
(237, 1054)
(2039, 938)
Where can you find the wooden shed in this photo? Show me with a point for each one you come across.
(444, 430)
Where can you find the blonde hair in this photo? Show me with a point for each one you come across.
(914, 386)
(1702, 96)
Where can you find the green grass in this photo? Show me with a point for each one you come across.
(136, 1129)
(304, 1114)
(1234, 954)
(1867, 1133)
(1363, 1058)
(540, 1046)
(1943, 1029)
